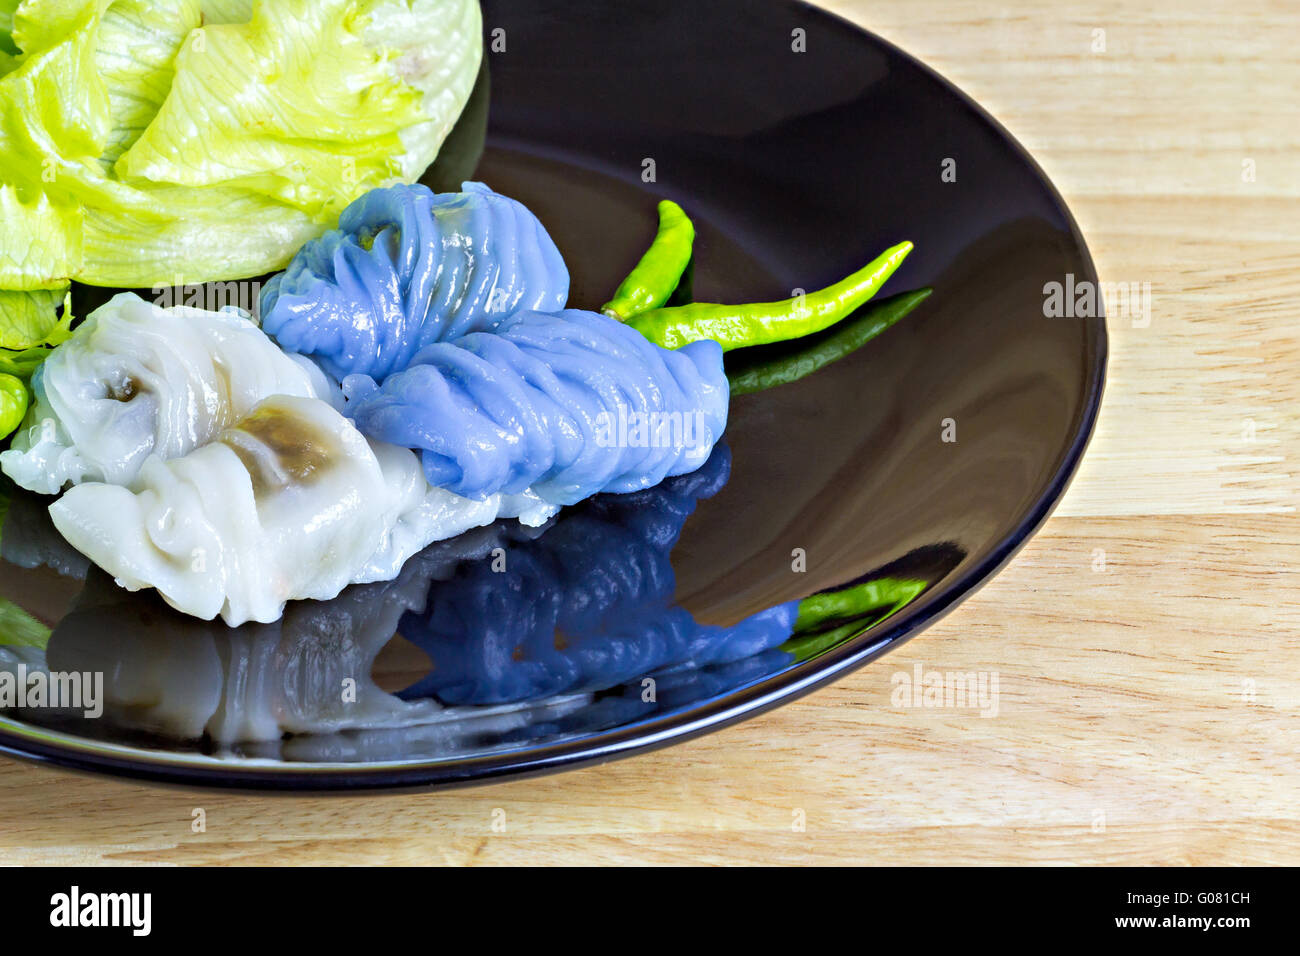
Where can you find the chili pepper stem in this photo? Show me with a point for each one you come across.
(739, 326)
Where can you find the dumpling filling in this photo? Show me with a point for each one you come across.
(137, 380)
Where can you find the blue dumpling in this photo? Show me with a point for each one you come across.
(407, 268)
(568, 404)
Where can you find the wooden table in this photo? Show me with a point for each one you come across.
(1148, 711)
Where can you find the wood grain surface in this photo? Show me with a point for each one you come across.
(1148, 711)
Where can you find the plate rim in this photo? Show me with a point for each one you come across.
(33, 744)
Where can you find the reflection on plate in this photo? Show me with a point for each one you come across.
(527, 635)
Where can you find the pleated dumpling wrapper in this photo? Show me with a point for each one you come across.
(137, 380)
(291, 503)
(408, 267)
(566, 405)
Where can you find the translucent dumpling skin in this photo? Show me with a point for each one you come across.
(290, 503)
(286, 504)
(408, 267)
(568, 404)
(136, 380)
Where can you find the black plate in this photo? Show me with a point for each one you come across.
(797, 167)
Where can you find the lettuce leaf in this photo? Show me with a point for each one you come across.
(30, 320)
(8, 51)
(30, 328)
(147, 142)
(39, 240)
(227, 11)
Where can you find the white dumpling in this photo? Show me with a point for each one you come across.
(292, 503)
(287, 504)
(423, 514)
(136, 380)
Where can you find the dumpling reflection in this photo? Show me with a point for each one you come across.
(586, 606)
(533, 634)
(28, 538)
(308, 673)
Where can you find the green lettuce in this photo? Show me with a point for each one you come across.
(8, 52)
(148, 142)
(32, 328)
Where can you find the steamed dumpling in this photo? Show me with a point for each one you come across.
(423, 514)
(290, 503)
(283, 505)
(408, 267)
(137, 380)
(567, 404)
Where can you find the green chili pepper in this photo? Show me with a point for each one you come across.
(684, 294)
(817, 611)
(13, 403)
(865, 604)
(738, 326)
(784, 369)
(655, 278)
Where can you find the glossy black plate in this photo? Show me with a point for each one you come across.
(801, 146)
